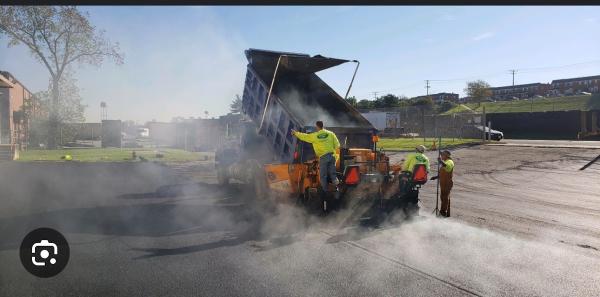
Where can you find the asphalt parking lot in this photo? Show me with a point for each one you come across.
(525, 222)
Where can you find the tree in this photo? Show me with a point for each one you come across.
(236, 105)
(479, 90)
(386, 101)
(58, 37)
(424, 102)
(352, 101)
(364, 104)
(445, 106)
(69, 109)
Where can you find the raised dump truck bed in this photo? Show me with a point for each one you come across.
(281, 93)
(299, 98)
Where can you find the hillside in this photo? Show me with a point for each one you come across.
(535, 105)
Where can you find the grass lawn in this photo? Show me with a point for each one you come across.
(535, 105)
(411, 143)
(112, 155)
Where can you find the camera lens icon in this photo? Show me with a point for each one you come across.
(44, 252)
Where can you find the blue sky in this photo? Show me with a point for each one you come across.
(182, 61)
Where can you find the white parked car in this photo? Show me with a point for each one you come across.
(495, 134)
(143, 132)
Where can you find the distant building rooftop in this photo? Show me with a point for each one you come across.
(515, 86)
(576, 79)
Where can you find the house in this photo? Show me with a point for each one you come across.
(14, 97)
(519, 91)
(572, 86)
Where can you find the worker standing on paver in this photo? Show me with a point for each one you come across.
(412, 159)
(446, 183)
(408, 166)
(325, 143)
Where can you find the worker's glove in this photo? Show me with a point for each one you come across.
(434, 177)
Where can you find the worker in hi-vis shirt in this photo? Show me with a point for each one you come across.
(325, 144)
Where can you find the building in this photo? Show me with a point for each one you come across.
(519, 91)
(195, 134)
(382, 120)
(14, 97)
(441, 97)
(572, 86)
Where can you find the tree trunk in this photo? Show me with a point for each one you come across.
(53, 116)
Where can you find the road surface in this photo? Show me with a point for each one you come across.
(525, 223)
(550, 143)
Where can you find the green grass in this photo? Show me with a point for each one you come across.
(535, 105)
(402, 144)
(111, 155)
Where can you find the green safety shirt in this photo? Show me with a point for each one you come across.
(323, 141)
(413, 159)
(449, 165)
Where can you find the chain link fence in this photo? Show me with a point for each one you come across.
(420, 121)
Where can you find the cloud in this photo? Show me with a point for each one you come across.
(483, 36)
(591, 20)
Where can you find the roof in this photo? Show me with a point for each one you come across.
(7, 80)
(5, 83)
(516, 86)
(576, 79)
(436, 94)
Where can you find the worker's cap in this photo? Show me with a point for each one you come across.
(420, 148)
(447, 153)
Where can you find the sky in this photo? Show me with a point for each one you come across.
(185, 61)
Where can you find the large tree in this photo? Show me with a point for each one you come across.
(69, 109)
(58, 37)
(478, 90)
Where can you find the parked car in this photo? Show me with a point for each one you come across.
(495, 134)
(143, 132)
(584, 93)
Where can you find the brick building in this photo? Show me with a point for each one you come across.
(519, 91)
(14, 96)
(572, 86)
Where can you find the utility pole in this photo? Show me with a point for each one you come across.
(375, 95)
(513, 71)
(427, 86)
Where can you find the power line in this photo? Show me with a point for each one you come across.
(375, 95)
(540, 69)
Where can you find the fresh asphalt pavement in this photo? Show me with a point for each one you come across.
(525, 223)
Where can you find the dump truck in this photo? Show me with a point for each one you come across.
(283, 93)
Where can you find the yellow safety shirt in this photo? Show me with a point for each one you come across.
(413, 159)
(323, 141)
